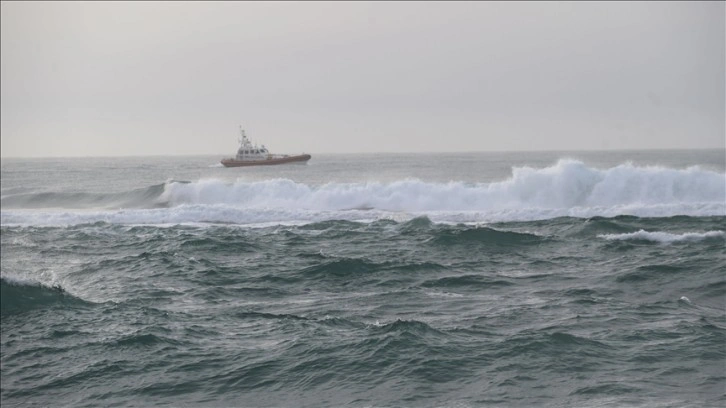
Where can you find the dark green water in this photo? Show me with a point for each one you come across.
(262, 291)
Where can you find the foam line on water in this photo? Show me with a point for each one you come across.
(663, 237)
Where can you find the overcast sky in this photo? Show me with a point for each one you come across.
(146, 78)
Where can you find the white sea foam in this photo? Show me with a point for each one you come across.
(14, 280)
(568, 184)
(569, 188)
(664, 237)
(685, 300)
(46, 278)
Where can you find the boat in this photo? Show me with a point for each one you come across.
(252, 155)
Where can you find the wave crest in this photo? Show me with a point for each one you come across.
(664, 237)
(567, 189)
(18, 296)
(568, 184)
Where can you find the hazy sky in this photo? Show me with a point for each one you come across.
(146, 78)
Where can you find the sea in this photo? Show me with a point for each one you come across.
(497, 279)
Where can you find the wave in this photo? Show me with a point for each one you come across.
(19, 295)
(647, 272)
(138, 198)
(476, 282)
(566, 189)
(146, 340)
(664, 237)
(483, 235)
(407, 328)
(567, 185)
(347, 270)
(569, 346)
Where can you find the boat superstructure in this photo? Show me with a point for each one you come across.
(250, 152)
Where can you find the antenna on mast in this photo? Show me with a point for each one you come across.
(242, 135)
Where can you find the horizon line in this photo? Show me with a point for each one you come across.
(384, 152)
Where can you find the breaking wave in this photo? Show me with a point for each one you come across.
(665, 237)
(568, 188)
(20, 295)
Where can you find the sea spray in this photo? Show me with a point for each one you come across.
(567, 184)
(568, 188)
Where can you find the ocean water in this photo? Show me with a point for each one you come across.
(570, 279)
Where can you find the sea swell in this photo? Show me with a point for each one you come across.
(18, 296)
(567, 185)
(382, 313)
(137, 198)
(566, 189)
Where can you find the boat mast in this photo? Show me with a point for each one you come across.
(242, 135)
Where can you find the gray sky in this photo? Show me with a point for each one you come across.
(146, 78)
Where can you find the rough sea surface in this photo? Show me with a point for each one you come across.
(458, 280)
